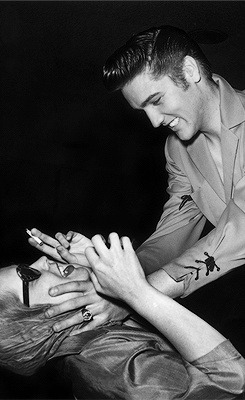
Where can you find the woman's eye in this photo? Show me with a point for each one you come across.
(68, 270)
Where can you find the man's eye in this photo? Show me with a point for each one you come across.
(157, 101)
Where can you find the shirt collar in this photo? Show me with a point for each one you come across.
(231, 107)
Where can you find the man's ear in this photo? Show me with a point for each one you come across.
(191, 69)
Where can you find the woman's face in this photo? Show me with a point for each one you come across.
(52, 274)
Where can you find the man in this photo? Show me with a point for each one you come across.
(163, 72)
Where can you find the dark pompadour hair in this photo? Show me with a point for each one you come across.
(161, 49)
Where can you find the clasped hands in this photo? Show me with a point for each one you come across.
(115, 272)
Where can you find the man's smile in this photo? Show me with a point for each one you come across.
(174, 122)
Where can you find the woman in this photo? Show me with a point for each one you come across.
(27, 338)
(191, 360)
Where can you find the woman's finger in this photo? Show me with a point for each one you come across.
(126, 243)
(96, 283)
(114, 240)
(68, 322)
(100, 245)
(70, 235)
(45, 238)
(50, 251)
(88, 302)
(91, 255)
(95, 323)
(62, 239)
(68, 305)
(66, 255)
(73, 286)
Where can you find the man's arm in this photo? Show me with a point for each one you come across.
(161, 247)
(216, 254)
(175, 245)
(163, 282)
(181, 223)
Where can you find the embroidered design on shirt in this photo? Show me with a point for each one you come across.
(197, 271)
(210, 265)
(184, 198)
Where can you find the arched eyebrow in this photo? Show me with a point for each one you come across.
(149, 98)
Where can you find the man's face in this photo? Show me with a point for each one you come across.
(167, 104)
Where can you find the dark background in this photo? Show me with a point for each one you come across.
(73, 156)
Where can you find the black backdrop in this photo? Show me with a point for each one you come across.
(73, 156)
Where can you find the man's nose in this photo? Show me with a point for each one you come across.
(155, 117)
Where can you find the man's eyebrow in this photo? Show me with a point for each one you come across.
(145, 102)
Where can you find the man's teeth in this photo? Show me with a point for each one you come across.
(174, 122)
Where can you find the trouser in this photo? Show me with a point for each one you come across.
(222, 304)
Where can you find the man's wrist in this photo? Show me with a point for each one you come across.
(164, 283)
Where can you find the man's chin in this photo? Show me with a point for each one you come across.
(185, 136)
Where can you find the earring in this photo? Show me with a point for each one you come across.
(199, 79)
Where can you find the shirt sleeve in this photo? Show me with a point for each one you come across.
(224, 368)
(213, 256)
(180, 225)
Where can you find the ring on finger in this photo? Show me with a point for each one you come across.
(87, 315)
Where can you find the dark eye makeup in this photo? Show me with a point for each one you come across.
(68, 270)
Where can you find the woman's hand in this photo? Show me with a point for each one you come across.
(104, 311)
(64, 248)
(116, 270)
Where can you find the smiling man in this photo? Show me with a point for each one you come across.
(184, 110)
(164, 73)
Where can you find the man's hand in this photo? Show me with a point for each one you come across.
(64, 248)
(103, 310)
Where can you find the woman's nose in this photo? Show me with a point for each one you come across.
(41, 264)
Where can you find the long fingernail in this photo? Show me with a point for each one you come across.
(56, 328)
(59, 249)
(102, 237)
(74, 333)
(53, 291)
(48, 313)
